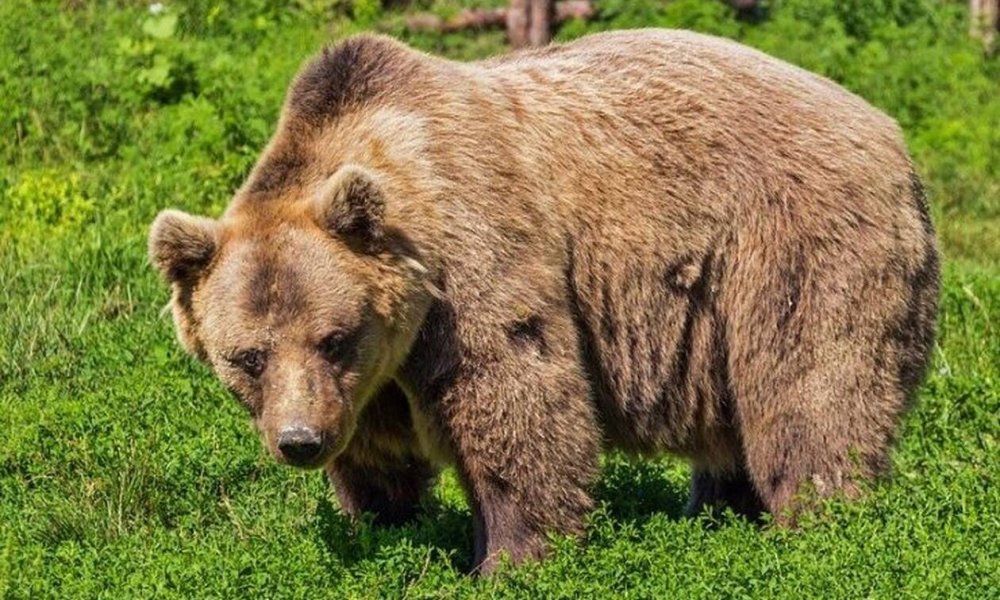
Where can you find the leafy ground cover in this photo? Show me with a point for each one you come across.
(126, 470)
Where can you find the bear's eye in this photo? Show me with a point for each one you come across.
(251, 362)
(335, 346)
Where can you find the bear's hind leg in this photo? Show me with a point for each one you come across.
(827, 440)
(381, 472)
(826, 336)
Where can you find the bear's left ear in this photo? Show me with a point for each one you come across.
(352, 205)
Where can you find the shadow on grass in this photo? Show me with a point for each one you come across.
(630, 490)
(636, 490)
(447, 530)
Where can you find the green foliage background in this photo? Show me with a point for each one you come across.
(126, 471)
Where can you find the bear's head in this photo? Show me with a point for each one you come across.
(303, 308)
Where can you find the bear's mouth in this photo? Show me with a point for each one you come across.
(305, 465)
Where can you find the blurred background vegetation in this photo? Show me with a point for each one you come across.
(126, 470)
(193, 90)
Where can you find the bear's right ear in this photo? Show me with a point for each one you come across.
(352, 206)
(181, 245)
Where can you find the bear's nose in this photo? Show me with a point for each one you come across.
(300, 445)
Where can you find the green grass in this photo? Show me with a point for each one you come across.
(127, 471)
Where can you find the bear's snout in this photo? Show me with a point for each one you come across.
(300, 445)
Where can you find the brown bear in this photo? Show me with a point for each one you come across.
(651, 240)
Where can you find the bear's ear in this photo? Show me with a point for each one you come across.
(181, 245)
(352, 205)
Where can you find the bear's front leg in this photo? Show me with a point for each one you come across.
(526, 443)
(381, 472)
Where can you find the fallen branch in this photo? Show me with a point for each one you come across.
(492, 17)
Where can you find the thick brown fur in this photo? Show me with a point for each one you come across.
(651, 240)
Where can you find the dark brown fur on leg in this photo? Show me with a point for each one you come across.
(526, 482)
(798, 463)
(502, 529)
(717, 492)
(526, 447)
(391, 493)
(380, 473)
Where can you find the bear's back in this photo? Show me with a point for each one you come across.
(678, 116)
(623, 61)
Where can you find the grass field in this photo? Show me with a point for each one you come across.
(127, 471)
